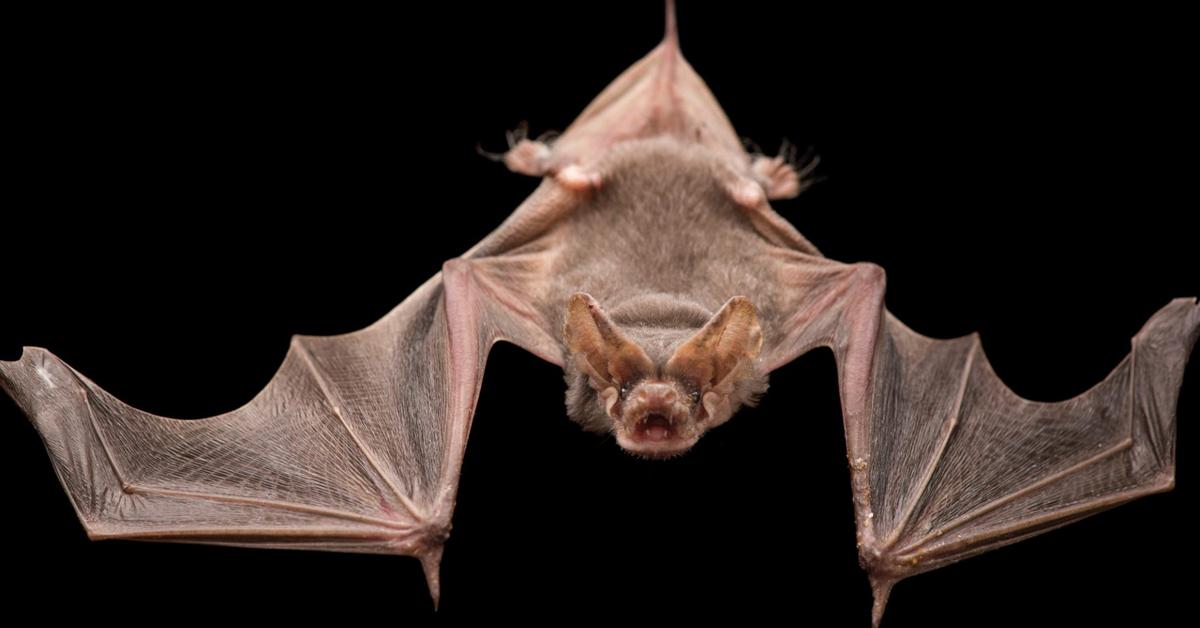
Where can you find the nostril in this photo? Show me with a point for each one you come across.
(657, 393)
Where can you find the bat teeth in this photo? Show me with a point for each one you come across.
(657, 434)
(656, 426)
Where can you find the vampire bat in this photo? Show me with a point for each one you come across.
(652, 434)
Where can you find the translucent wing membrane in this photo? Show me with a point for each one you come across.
(946, 461)
(354, 445)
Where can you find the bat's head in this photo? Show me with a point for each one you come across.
(658, 389)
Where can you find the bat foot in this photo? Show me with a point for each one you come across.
(524, 156)
(528, 157)
(784, 175)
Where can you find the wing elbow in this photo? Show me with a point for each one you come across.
(871, 274)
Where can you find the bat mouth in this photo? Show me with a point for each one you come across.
(655, 435)
(654, 428)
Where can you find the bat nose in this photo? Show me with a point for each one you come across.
(658, 394)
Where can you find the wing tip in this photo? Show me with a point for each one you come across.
(19, 357)
(1180, 318)
(27, 352)
(10, 378)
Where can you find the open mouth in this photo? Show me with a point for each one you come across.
(654, 428)
(657, 435)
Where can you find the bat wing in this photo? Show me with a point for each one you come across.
(354, 445)
(946, 461)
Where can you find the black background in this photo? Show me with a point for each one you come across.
(189, 187)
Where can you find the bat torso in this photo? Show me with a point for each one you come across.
(660, 245)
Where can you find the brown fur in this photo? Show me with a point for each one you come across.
(658, 290)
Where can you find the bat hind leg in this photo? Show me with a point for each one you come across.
(535, 158)
(528, 157)
(784, 176)
(524, 156)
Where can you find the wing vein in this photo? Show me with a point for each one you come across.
(112, 460)
(1037, 524)
(323, 385)
(947, 431)
(1132, 403)
(193, 533)
(1054, 477)
(268, 503)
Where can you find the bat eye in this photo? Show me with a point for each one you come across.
(695, 395)
(624, 391)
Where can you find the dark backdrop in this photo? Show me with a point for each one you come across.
(188, 188)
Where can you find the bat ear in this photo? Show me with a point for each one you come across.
(730, 338)
(599, 348)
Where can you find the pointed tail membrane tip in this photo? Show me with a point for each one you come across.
(671, 37)
(660, 95)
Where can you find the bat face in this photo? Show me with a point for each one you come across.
(166, 353)
(659, 408)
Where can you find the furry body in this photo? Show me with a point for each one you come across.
(648, 254)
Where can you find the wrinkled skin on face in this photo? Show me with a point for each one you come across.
(660, 408)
